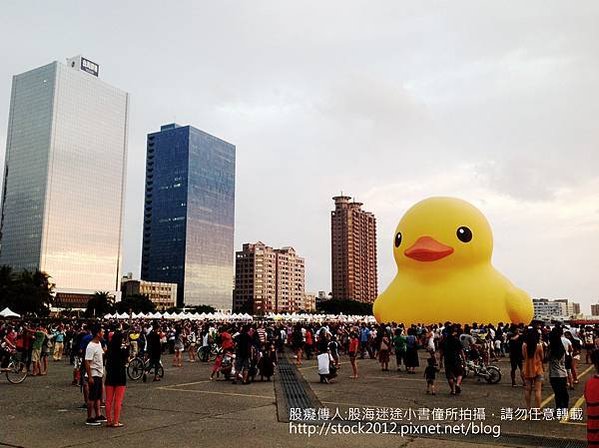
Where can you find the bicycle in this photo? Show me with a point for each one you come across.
(207, 352)
(138, 367)
(15, 371)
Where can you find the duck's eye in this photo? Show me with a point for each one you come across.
(464, 234)
(398, 239)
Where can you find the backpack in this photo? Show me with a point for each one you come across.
(411, 342)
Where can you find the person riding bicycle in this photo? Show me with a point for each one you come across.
(7, 346)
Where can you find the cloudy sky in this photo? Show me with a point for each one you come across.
(391, 102)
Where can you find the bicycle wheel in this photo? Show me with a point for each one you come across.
(135, 369)
(160, 372)
(204, 354)
(16, 373)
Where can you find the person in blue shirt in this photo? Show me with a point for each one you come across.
(364, 341)
(59, 335)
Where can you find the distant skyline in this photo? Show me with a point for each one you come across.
(496, 103)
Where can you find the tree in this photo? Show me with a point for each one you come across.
(337, 306)
(136, 303)
(100, 304)
(202, 309)
(7, 284)
(26, 292)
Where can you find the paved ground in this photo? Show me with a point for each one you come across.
(189, 410)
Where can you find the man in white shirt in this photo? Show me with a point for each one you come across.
(95, 372)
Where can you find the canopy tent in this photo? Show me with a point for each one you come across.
(7, 312)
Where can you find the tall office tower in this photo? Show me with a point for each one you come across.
(268, 280)
(189, 215)
(62, 201)
(353, 241)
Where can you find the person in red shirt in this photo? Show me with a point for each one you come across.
(226, 341)
(354, 345)
(591, 395)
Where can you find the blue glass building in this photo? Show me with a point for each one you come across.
(189, 215)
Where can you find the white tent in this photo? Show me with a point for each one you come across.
(7, 312)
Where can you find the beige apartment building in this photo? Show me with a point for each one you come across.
(163, 295)
(268, 280)
(353, 251)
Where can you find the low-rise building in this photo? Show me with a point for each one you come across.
(163, 295)
(309, 304)
(547, 309)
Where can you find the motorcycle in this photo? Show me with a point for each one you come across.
(491, 374)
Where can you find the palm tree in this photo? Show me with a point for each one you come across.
(101, 303)
(7, 280)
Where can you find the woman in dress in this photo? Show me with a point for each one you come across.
(411, 352)
(532, 351)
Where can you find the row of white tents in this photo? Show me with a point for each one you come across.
(234, 317)
(181, 316)
(244, 317)
(7, 312)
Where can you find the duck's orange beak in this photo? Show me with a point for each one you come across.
(428, 249)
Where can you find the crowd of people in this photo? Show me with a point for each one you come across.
(100, 351)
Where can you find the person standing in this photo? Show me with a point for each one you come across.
(532, 352)
(59, 335)
(155, 351)
(430, 373)
(576, 349)
(297, 340)
(179, 347)
(558, 376)
(399, 342)
(515, 351)
(27, 353)
(94, 368)
(591, 396)
(354, 346)
(384, 348)
(243, 351)
(191, 341)
(117, 357)
(39, 337)
(453, 355)
(411, 352)
(364, 341)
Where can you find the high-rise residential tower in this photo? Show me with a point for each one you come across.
(64, 175)
(189, 215)
(269, 280)
(353, 244)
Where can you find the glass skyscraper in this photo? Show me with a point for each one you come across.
(189, 215)
(64, 174)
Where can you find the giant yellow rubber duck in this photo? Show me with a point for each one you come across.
(442, 247)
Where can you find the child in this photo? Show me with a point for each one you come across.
(217, 363)
(430, 374)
